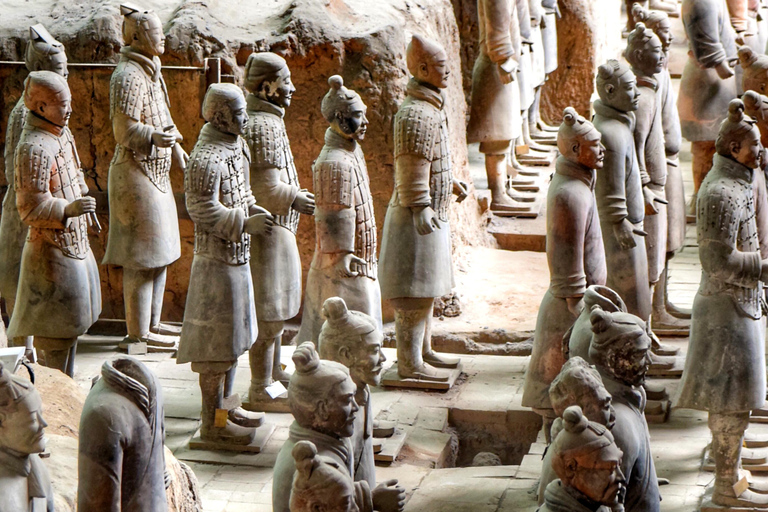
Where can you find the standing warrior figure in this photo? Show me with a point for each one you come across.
(220, 317)
(344, 264)
(44, 53)
(725, 367)
(24, 477)
(619, 189)
(415, 264)
(707, 84)
(275, 263)
(59, 295)
(143, 223)
(575, 255)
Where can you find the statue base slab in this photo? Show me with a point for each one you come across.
(668, 371)
(278, 404)
(708, 506)
(390, 447)
(392, 379)
(263, 433)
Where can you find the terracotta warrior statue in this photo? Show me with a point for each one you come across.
(620, 350)
(619, 191)
(577, 340)
(575, 255)
(344, 264)
(275, 263)
(494, 118)
(415, 264)
(59, 293)
(548, 25)
(725, 366)
(707, 84)
(121, 460)
(665, 314)
(354, 339)
(756, 107)
(43, 53)
(320, 484)
(143, 223)
(24, 478)
(587, 462)
(219, 200)
(322, 399)
(578, 383)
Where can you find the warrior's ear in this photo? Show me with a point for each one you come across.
(609, 88)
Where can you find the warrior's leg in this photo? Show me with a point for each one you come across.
(660, 317)
(158, 292)
(277, 368)
(702, 153)
(727, 437)
(430, 356)
(548, 417)
(496, 171)
(262, 359)
(20, 341)
(238, 415)
(411, 317)
(212, 377)
(55, 353)
(138, 293)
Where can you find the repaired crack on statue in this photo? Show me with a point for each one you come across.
(121, 461)
(220, 315)
(24, 478)
(725, 369)
(587, 462)
(344, 263)
(275, 263)
(143, 222)
(59, 294)
(575, 255)
(415, 262)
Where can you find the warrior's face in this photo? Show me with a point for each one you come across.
(57, 108)
(22, 427)
(365, 358)
(235, 117)
(621, 93)
(354, 123)
(280, 90)
(598, 407)
(651, 57)
(58, 64)
(599, 476)
(591, 152)
(663, 31)
(434, 70)
(149, 38)
(748, 150)
(336, 412)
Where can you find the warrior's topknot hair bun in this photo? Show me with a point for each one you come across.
(574, 420)
(305, 358)
(336, 82)
(736, 111)
(570, 116)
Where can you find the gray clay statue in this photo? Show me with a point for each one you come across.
(121, 459)
(708, 82)
(578, 383)
(44, 53)
(575, 254)
(320, 484)
(275, 263)
(143, 222)
(59, 291)
(344, 264)
(724, 369)
(220, 316)
(415, 264)
(587, 462)
(24, 479)
(321, 395)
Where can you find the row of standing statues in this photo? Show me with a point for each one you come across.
(615, 217)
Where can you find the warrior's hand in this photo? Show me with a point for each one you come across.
(350, 266)
(507, 70)
(304, 203)
(259, 224)
(460, 188)
(388, 497)
(651, 208)
(724, 70)
(425, 220)
(180, 156)
(80, 207)
(163, 139)
(624, 232)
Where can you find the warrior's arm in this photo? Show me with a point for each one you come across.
(335, 218)
(202, 185)
(100, 462)
(703, 30)
(412, 180)
(566, 254)
(37, 207)
(643, 125)
(739, 17)
(270, 191)
(610, 187)
(363, 496)
(498, 40)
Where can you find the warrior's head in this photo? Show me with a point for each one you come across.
(268, 77)
(319, 484)
(755, 66)
(585, 458)
(321, 393)
(344, 110)
(46, 94)
(739, 138)
(427, 62)
(579, 141)
(21, 415)
(142, 30)
(756, 107)
(579, 383)
(353, 339)
(44, 53)
(620, 345)
(658, 21)
(224, 108)
(617, 87)
(644, 51)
